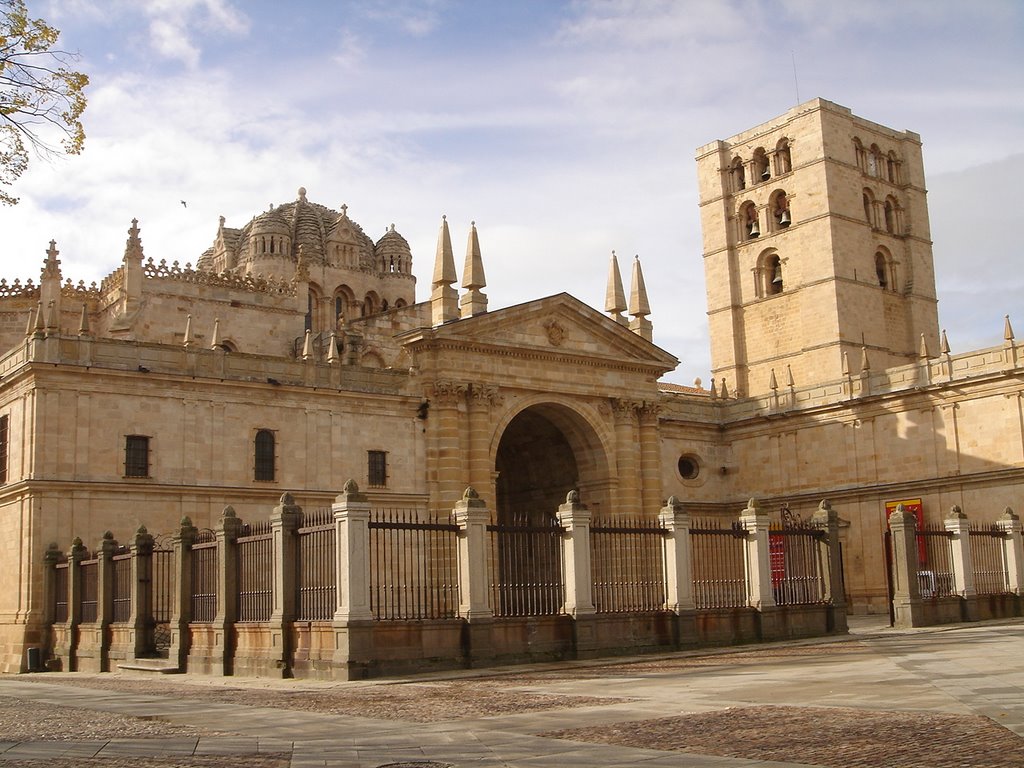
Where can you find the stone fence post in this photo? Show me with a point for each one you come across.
(963, 565)
(181, 610)
(93, 637)
(48, 633)
(141, 612)
(472, 515)
(756, 557)
(66, 648)
(284, 522)
(223, 649)
(575, 518)
(352, 529)
(907, 606)
(679, 594)
(1013, 550)
(827, 520)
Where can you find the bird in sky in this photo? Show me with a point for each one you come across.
(184, 204)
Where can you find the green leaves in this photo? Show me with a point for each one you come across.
(41, 96)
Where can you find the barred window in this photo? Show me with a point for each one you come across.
(136, 456)
(3, 448)
(265, 455)
(377, 469)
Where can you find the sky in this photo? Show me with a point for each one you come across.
(565, 130)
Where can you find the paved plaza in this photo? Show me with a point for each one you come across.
(949, 696)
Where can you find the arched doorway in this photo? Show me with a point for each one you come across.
(545, 451)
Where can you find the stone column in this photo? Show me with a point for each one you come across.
(574, 517)
(227, 531)
(284, 522)
(827, 519)
(353, 619)
(181, 610)
(67, 650)
(963, 565)
(472, 516)
(445, 399)
(48, 633)
(627, 497)
(94, 648)
(650, 459)
(481, 398)
(757, 563)
(141, 612)
(679, 597)
(908, 608)
(1013, 550)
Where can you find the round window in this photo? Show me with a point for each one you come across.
(689, 467)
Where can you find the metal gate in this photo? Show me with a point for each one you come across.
(161, 597)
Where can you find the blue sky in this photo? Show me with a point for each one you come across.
(564, 129)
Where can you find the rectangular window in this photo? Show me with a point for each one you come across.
(3, 448)
(264, 455)
(377, 470)
(136, 456)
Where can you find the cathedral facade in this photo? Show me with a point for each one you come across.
(295, 356)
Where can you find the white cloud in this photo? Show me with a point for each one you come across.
(175, 24)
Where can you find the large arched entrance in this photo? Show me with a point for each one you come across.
(546, 451)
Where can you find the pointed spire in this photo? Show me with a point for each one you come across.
(444, 300)
(789, 377)
(215, 341)
(40, 326)
(923, 351)
(133, 247)
(30, 326)
(846, 363)
(865, 365)
(725, 390)
(187, 341)
(474, 301)
(773, 385)
(713, 390)
(307, 345)
(52, 321)
(332, 353)
(1007, 329)
(614, 296)
(51, 267)
(944, 346)
(639, 307)
(83, 325)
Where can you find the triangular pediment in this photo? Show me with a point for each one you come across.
(560, 326)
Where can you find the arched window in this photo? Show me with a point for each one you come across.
(875, 161)
(869, 207)
(892, 165)
(761, 169)
(399, 303)
(783, 158)
(890, 216)
(779, 207)
(881, 270)
(264, 455)
(749, 225)
(860, 155)
(313, 309)
(737, 175)
(773, 275)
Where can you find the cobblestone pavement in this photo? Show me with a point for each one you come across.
(939, 697)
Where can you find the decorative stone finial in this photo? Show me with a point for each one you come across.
(350, 486)
(1007, 329)
(83, 324)
(187, 341)
(944, 348)
(51, 267)
(825, 505)
(133, 246)
(752, 504)
(789, 377)
(865, 364)
(229, 511)
(639, 307)
(614, 296)
(955, 513)
(302, 194)
(287, 499)
(186, 522)
(572, 497)
(141, 531)
(108, 535)
(470, 493)
(923, 351)
(773, 385)
(1009, 514)
(474, 301)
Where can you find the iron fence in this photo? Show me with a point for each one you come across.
(88, 606)
(988, 556)
(798, 563)
(255, 572)
(627, 565)
(414, 571)
(315, 566)
(526, 568)
(935, 570)
(122, 587)
(162, 591)
(719, 570)
(60, 586)
(203, 599)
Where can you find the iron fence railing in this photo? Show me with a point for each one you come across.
(255, 564)
(414, 571)
(205, 562)
(935, 569)
(315, 566)
(627, 565)
(88, 609)
(526, 568)
(122, 587)
(988, 556)
(798, 563)
(60, 586)
(719, 571)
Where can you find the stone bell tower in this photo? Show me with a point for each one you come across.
(817, 249)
